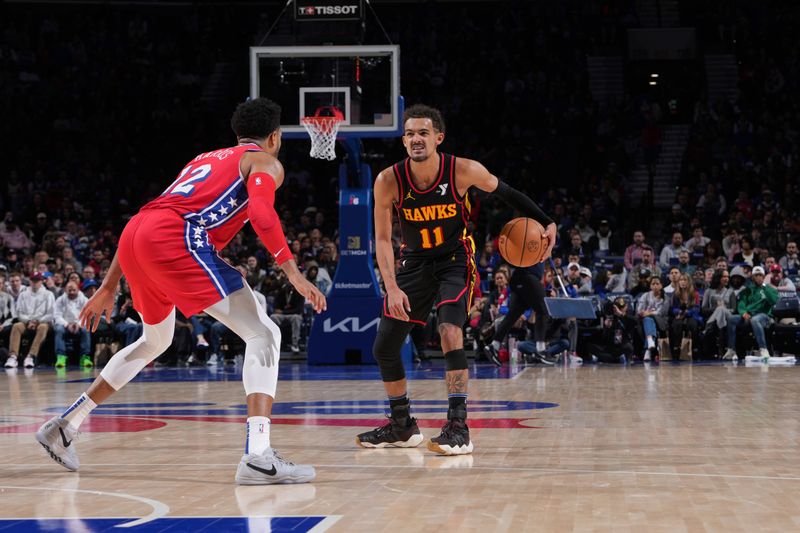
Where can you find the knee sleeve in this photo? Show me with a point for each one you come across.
(455, 360)
(386, 349)
(260, 368)
(242, 314)
(129, 361)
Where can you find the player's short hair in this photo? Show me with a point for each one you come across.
(256, 118)
(424, 111)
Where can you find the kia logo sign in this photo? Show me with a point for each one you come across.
(328, 10)
(349, 325)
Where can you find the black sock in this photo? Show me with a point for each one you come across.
(398, 401)
(400, 406)
(457, 405)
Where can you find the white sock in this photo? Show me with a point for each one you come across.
(496, 345)
(650, 342)
(78, 411)
(257, 434)
(541, 346)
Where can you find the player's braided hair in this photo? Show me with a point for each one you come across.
(256, 119)
(424, 111)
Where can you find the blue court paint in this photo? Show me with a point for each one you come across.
(338, 407)
(294, 524)
(305, 372)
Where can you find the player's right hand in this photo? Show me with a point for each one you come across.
(397, 303)
(102, 303)
(551, 231)
(312, 294)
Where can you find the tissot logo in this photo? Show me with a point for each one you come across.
(349, 325)
(328, 10)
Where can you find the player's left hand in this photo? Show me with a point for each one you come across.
(311, 292)
(550, 231)
(101, 303)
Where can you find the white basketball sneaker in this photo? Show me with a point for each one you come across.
(730, 355)
(56, 436)
(270, 468)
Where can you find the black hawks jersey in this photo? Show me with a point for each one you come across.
(433, 222)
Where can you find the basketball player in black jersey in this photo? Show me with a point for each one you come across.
(428, 191)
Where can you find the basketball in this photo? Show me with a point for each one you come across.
(523, 242)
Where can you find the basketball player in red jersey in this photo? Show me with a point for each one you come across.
(428, 190)
(168, 254)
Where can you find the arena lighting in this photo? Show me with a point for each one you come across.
(653, 83)
(653, 75)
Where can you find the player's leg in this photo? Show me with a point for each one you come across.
(415, 278)
(454, 438)
(455, 290)
(401, 431)
(260, 464)
(56, 434)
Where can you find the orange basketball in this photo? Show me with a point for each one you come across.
(523, 242)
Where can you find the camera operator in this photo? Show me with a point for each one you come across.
(619, 328)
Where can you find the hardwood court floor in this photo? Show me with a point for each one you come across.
(670, 448)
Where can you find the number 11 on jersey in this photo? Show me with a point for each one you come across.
(438, 237)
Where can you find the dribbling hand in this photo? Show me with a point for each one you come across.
(550, 231)
(397, 303)
(102, 303)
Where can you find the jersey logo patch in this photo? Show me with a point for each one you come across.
(409, 197)
(258, 181)
(443, 189)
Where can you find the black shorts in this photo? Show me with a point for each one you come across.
(446, 282)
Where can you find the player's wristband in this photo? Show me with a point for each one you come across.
(263, 218)
(522, 203)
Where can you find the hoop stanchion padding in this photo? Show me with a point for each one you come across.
(345, 332)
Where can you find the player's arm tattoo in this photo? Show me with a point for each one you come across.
(457, 381)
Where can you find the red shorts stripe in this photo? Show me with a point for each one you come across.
(170, 262)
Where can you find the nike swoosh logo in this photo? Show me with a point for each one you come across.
(64, 438)
(271, 472)
(279, 251)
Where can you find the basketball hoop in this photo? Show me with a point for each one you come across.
(323, 130)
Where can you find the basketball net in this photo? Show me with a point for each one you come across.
(323, 131)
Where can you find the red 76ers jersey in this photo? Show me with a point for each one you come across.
(210, 194)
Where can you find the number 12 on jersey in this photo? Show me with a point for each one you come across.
(438, 237)
(186, 188)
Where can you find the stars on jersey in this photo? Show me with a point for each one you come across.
(223, 208)
(199, 236)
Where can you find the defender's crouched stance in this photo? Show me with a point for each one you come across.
(168, 253)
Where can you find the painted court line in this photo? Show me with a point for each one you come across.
(325, 524)
(159, 509)
(477, 468)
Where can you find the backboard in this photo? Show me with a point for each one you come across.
(362, 81)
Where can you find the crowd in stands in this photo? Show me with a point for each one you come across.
(67, 82)
(730, 247)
